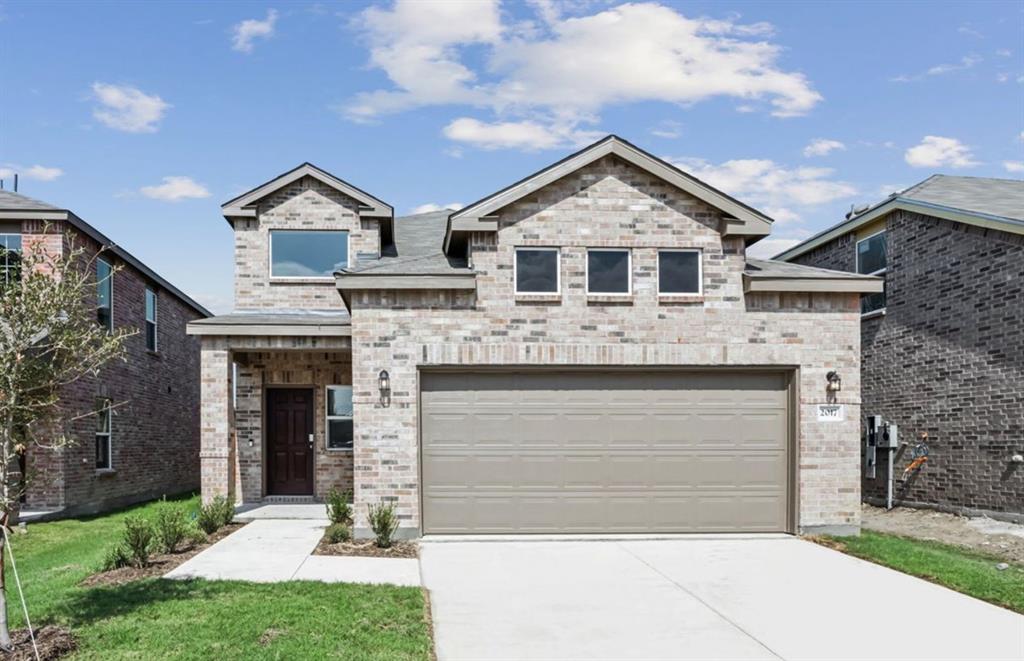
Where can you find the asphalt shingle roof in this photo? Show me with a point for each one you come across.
(285, 317)
(770, 268)
(11, 201)
(995, 197)
(418, 249)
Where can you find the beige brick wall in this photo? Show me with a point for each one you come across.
(306, 204)
(606, 204)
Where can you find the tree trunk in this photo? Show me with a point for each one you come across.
(5, 633)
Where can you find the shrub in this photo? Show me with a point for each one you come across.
(171, 527)
(116, 558)
(383, 522)
(338, 508)
(195, 535)
(215, 514)
(337, 533)
(138, 540)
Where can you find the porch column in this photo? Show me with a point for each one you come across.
(217, 447)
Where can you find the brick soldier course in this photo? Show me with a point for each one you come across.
(407, 315)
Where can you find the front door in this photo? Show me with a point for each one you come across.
(290, 441)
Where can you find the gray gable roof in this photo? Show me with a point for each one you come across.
(774, 276)
(417, 249)
(10, 201)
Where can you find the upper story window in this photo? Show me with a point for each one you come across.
(339, 417)
(307, 254)
(537, 271)
(105, 294)
(10, 257)
(872, 259)
(679, 272)
(609, 271)
(151, 312)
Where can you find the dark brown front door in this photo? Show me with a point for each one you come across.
(290, 441)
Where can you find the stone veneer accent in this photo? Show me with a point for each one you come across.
(947, 358)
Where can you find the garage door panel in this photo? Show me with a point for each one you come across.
(604, 452)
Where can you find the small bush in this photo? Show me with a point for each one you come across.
(337, 533)
(194, 535)
(215, 514)
(171, 527)
(116, 558)
(383, 522)
(339, 509)
(138, 540)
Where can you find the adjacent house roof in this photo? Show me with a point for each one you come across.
(15, 206)
(990, 203)
(244, 206)
(771, 275)
(307, 323)
(742, 220)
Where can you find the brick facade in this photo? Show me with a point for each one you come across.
(155, 427)
(946, 358)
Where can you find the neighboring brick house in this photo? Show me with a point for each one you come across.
(587, 350)
(943, 346)
(147, 445)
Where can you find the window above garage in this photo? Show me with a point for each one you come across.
(537, 271)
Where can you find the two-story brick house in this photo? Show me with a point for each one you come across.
(145, 443)
(943, 345)
(587, 350)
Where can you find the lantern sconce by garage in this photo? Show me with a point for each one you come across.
(384, 386)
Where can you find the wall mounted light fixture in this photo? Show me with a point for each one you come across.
(384, 385)
(835, 382)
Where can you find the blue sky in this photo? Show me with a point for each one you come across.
(144, 117)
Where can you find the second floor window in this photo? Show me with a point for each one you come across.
(10, 258)
(307, 254)
(608, 271)
(105, 294)
(872, 259)
(536, 271)
(679, 272)
(150, 319)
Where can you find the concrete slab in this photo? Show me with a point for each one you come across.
(345, 569)
(741, 598)
(281, 511)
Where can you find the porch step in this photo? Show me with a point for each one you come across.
(288, 500)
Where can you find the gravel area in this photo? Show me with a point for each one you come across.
(997, 538)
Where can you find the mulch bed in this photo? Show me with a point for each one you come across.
(367, 548)
(53, 642)
(159, 564)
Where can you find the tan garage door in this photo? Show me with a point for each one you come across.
(580, 452)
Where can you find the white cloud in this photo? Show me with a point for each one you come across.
(128, 109)
(175, 189)
(526, 135)
(885, 190)
(558, 72)
(1004, 52)
(769, 247)
(1014, 166)
(937, 151)
(250, 29)
(36, 172)
(430, 206)
(667, 128)
(966, 62)
(822, 147)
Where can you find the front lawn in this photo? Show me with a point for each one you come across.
(157, 618)
(965, 571)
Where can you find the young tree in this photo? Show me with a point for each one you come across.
(49, 339)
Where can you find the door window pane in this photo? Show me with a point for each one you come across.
(307, 254)
(537, 270)
(608, 272)
(679, 272)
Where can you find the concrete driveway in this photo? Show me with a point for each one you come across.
(697, 598)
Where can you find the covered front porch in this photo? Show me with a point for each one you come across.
(276, 407)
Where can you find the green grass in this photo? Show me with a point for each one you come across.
(965, 571)
(155, 618)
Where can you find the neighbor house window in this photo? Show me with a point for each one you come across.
(608, 271)
(339, 417)
(10, 257)
(150, 319)
(679, 272)
(105, 294)
(872, 260)
(536, 271)
(103, 433)
(300, 254)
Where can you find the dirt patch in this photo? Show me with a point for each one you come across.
(367, 548)
(159, 564)
(833, 544)
(269, 635)
(53, 642)
(996, 538)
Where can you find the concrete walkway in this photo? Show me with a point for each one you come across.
(273, 550)
(698, 598)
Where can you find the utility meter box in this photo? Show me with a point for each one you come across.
(889, 436)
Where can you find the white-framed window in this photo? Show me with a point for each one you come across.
(105, 294)
(103, 432)
(872, 259)
(151, 316)
(339, 418)
(307, 254)
(10, 258)
(609, 271)
(680, 272)
(538, 271)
